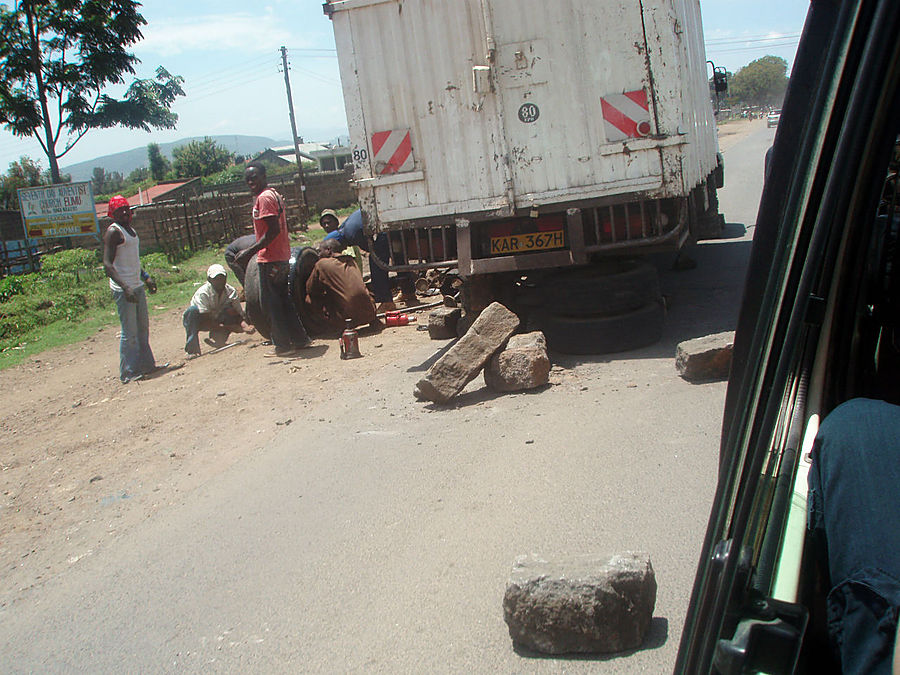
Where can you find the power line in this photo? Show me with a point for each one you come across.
(751, 38)
(760, 48)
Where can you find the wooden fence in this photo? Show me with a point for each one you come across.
(177, 228)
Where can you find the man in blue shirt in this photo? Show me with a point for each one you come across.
(352, 233)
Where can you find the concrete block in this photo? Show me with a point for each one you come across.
(442, 322)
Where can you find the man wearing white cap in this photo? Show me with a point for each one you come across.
(215, 307)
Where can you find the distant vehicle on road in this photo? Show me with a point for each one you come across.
(773, 118)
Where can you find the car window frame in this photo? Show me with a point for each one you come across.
(794, 253)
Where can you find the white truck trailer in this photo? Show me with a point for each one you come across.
(498, 137)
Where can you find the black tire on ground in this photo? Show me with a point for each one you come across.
(254, 306)
(303, 259)
(608, 288)
(604, 334)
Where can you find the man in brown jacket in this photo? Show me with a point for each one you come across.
(336, 290)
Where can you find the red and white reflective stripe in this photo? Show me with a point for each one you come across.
(392, 152)
(626, 115)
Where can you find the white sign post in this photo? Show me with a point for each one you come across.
(65, 210)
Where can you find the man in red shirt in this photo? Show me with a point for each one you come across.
(273, 251)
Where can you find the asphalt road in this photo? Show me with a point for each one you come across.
(377, 533)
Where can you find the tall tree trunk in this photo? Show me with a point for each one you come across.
(50, 148)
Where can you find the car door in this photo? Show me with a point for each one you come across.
(798, 331)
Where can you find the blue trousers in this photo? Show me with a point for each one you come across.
(287, 330)
(854, 500)
(135, 355)
(381, 285)
(194, 322)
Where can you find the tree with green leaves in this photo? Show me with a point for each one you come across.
(761, 82)
(60, 56)
(200, 158)
(22, 174)
(105, 181)
(139, 175)
(159, 165)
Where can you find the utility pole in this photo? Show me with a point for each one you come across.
(287, 86)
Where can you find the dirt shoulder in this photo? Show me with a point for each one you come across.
(85, 456)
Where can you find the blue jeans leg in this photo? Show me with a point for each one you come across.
(854, 499)
(135, 355)
(146, 359)
(381, 285)
(191, 321)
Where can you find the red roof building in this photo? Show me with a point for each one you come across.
(160, 192)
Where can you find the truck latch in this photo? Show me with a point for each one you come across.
(766, 640)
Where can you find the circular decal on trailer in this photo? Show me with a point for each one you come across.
(528, 113)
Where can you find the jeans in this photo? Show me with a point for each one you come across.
(854, 500)
(194, 322)
(287, 330)
(135, 355)
(381, 285)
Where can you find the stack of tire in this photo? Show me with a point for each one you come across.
(611, 306)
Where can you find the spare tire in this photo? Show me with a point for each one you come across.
(604, 334)
(608, 288)
(303, 260)
(254, 308)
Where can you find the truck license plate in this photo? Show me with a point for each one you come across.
(532, 241)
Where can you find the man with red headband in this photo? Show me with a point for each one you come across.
(122, 263)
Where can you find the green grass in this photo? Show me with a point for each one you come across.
(70, 300)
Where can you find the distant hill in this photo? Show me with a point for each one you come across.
(129, 160)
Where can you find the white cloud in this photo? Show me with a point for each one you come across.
(222, 32)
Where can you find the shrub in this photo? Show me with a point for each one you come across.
(76, 261)
(9, 287)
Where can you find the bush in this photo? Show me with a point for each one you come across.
(76, 261)
(9, 287)
(155, 263)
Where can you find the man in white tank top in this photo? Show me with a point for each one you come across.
(122, 262)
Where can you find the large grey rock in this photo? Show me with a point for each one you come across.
(523, 364)
(585, 604)
(463, 361)
(442, 322)
(705, 359)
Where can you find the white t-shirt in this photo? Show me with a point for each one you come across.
(209, 302)
(128, 260)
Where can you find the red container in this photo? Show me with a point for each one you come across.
(397, 319)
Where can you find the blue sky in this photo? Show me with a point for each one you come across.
(228, 53)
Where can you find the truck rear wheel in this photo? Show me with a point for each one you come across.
(604, 334)
(608, 288)
(708, 223)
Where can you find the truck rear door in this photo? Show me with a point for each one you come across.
(423, 120)
(573, 84)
